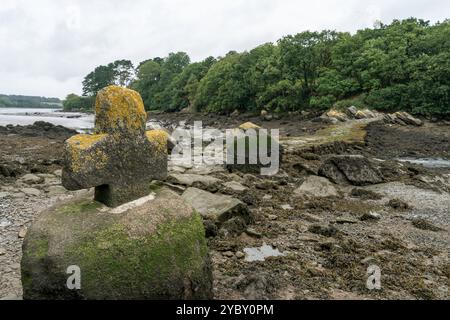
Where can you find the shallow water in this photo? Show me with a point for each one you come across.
(428, 162)
(27, 116)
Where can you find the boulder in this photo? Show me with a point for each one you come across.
(234, 187)
(266, 116)
(326, 119)
(337, 115)
(31, 179)
(249, 125)
(235, 113)
(58, 172)
(216, 207)
(365, 114)
(408, 119)
(191, 179)
(351, 111)
(56, 190)
(31, 191)
(316, 187)
(151, 248)
(350, 169)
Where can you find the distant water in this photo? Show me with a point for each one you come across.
(428, 162)
(27, 116)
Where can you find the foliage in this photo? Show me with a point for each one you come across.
(74, 102)
(401, 66)
(15, 101)
(120, 72)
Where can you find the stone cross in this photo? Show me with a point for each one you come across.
(121, 158)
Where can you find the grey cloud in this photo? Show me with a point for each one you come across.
(51, 45)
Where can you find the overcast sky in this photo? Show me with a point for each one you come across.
(48, 46)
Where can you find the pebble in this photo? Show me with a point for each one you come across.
(16, 211)
(228, 254)
(22, 232)
(240, 254)
(272, 217)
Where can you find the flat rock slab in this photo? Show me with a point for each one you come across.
(191, 179)
(31, 191)
(316, 187)
(234, 186)
(217, 207)
(56, 190)
(31, 179)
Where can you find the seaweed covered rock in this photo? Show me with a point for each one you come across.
(152, 248)
(350, 169)
(402, 118)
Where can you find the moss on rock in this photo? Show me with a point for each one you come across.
(156, 250)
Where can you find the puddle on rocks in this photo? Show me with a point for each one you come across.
(261, 253)
(428, 162)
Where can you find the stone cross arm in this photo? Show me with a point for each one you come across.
(121, 158)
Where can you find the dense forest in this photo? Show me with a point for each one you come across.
(13, 101)
(401, 66)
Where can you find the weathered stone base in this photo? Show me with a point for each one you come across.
(115, 195)
(152, 248)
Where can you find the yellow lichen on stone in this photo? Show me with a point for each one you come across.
(81, 151)
(84, 141)
(336, 114)
(159, 139)
(360, 114)
(119, 108)
(249, 125)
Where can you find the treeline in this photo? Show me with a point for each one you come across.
(16, 101)
(401, 66)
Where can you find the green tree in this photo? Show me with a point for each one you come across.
(74, 102)
(120, 72)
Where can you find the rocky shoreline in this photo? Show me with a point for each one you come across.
(336, 207)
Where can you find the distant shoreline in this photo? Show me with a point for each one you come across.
(43, 107)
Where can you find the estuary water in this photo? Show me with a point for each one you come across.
(26, 116)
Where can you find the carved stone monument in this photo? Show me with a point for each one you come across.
(133, 240)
